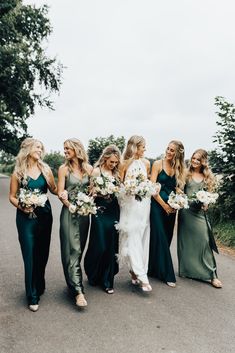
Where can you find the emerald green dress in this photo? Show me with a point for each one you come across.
(100, 261)
(161, 233)
(73, 236)
(195, 255)
(34, 238)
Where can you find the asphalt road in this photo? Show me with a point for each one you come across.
(194, 317)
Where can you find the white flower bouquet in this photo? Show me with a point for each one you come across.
(105, 185)
(205, 197)
(139, 186)
(83, 205)
(178, 200)
(31, 199)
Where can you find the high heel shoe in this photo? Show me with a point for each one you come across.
(34, 307)
(146, 287)
(216, 283)
(171, 284)
(81, 301)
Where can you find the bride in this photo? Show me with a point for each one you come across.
(134, 227)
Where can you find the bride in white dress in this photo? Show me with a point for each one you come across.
(134, 224)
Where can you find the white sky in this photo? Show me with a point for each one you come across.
(143, 67)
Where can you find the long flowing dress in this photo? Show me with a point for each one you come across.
(73, 236)
(195, 255)
(161, 233)
(34, 238)
(100, 261)
(134, 228)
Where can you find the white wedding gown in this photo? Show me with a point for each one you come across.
(134, 228)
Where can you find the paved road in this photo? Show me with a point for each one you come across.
(191, 318)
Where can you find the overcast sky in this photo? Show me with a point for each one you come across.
(143, 67)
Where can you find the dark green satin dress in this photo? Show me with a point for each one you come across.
(34, 238)
(195, 256)
(100, 261)
(161, 233)
(73, 236)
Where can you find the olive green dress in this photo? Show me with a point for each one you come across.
(73, 236)
(195, 256)
(34, 238)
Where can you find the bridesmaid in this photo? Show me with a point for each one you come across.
(195, 240)
(100, 262)
(73, 173)
(169, 172)
(34, 233)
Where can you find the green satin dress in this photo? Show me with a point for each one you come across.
(195, 256)
(73, 236)
(100, 262)
(161, 233)
(34, 238)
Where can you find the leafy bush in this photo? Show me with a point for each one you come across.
(96, 146)
(54, 160)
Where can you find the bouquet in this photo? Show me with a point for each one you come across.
(105, 185)
(83, 205)
(205, 197)
(31, 199)
(139, 186)
(178, 201)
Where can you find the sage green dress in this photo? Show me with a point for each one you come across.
(195, 255)
(73, 236)
(34, 238)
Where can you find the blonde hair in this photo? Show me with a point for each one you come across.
(132, 145)
(178, 163)
(80, 153)
(22, 160)
(209, 178)
(106, 154)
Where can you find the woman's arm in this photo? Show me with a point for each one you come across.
(14, 187)
(51, 183)
(62, 172)
(156, 168)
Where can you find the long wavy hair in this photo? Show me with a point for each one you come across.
(80, 153)
(23, 157)
(178, 163)
(209, 178)
(132, 145)
(106, 154)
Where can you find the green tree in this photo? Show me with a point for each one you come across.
(54, 160)
(27, 75)
(222, 159)
(96, 146)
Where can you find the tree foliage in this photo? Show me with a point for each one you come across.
(54, 160)
(96, 146)
(222, 159)
(27, 75)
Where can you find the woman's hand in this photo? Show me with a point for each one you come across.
(168, 209)
(26, 210)
(63, 195)
(204, 207)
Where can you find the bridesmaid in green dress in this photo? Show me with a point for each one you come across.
(74, 174)
(34, 233)
(195, 239)
(169, 172)
(100, 262)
